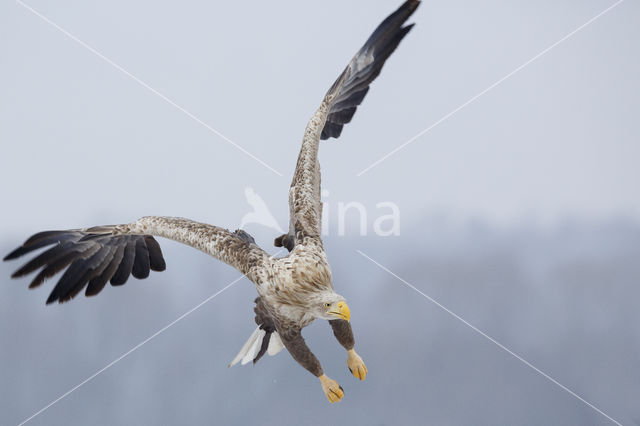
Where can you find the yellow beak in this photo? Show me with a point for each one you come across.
(342, 312)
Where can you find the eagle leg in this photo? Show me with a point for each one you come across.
(264, 321)
(331, 388)
(344, 334)
(356, 365)
(297, 347)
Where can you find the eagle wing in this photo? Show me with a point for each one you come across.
(94, 256)
(337, 108)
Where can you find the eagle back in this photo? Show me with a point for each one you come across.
(297, 278)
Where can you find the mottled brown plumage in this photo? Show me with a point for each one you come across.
(293, 290)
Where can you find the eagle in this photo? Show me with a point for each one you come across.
(293, 290)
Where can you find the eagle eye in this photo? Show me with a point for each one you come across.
(326, 305)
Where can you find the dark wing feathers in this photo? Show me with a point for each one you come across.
(75, 277)
(44, 258)
(365, 67)
(97, 283)
(40, 240)
(141, 265)
(54, 267)
(91, 257)
(126, 264)
(156, 261)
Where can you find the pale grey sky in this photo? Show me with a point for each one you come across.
(82, 141)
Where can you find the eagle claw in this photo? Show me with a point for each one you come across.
(356, 365)
(331, 388)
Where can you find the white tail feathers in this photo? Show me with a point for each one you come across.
(252, 347)
(275, 344)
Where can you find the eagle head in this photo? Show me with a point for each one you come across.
(330, 305)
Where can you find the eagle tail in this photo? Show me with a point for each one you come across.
(259, 343)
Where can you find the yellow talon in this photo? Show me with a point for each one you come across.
(356, 365)
(331, 388)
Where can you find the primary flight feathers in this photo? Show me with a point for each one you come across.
(95, 258)
(353, 84)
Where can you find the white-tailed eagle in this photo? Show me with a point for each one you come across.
(293, 290)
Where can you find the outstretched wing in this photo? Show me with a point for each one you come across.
(337, 108)
(94, 256)
(352, 85)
